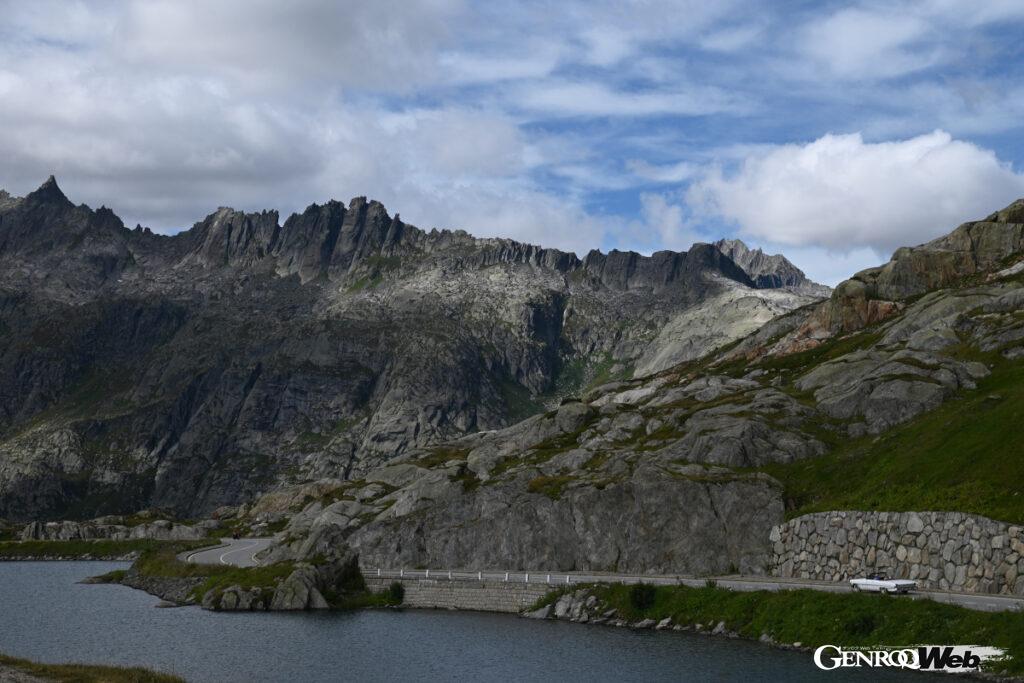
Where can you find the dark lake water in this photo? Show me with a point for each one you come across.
(46, 616)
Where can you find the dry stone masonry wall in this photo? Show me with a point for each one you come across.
(944, 550)
(485, 596)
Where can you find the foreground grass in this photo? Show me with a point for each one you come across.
(88, 673)
(815, 618)
(94, 548)
(967, 455)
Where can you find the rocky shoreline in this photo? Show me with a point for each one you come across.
(582, 606)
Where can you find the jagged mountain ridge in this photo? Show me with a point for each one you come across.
(204, 368)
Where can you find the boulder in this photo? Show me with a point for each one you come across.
(299, 592)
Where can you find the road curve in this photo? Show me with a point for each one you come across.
(975, 601)
(237, 552)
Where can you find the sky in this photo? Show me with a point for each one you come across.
(831, 132)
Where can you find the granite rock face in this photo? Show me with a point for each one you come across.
(951, 261)
(244, 354)
(945, 550)
(653, 473)
(651, 522)
(625, 481)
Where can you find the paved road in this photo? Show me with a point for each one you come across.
(239, 552)
(242, 552)
(976, 601)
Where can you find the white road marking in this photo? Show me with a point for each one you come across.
(232, 551)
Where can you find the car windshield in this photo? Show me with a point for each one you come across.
(877, 577)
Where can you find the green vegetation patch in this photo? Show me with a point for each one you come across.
(468, 479)
(440, 455)
(552, 487)
(583, 373)
(816, 618)
(519, 402)
(830, 350)
(116, 576)
(88, 673)
(966, 455)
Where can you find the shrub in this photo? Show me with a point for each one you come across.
(641, 596)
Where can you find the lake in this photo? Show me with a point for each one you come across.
(46, 616)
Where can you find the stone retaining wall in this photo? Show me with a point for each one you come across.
(945, 550)
(484, 596)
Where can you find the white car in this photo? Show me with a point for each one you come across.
(880, 583)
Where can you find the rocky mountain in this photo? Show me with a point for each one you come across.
(245, 355)
(683, 470)
(770, 271)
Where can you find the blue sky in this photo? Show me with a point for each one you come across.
(833, 132)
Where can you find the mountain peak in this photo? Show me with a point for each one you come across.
(49, 192)
(769, 271)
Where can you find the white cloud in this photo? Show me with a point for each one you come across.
(666, 219)
(841, 193)
(569, 98)
(856, 43)
(732, 38)
(663, 173)
(265, 43)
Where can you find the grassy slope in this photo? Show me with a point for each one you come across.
(814, 618)
(86, 673)
(967, 455)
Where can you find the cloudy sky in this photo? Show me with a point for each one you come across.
(833, 132)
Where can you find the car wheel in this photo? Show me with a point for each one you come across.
(856, 588)
(884, 591)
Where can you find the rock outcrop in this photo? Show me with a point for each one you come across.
(158, 530)
(874, 294)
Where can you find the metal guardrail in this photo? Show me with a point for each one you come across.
(541, 577)
(555, 579)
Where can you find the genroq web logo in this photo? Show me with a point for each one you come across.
(948, 658)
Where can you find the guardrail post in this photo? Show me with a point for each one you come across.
(566, 578)
(449, 574)
(506, 577)
(427, 575)
(526, 579)
(549, 578)
(401, 573)
(378, 572)
(479, 576)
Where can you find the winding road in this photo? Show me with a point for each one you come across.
(238, 552)
(243, 552)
